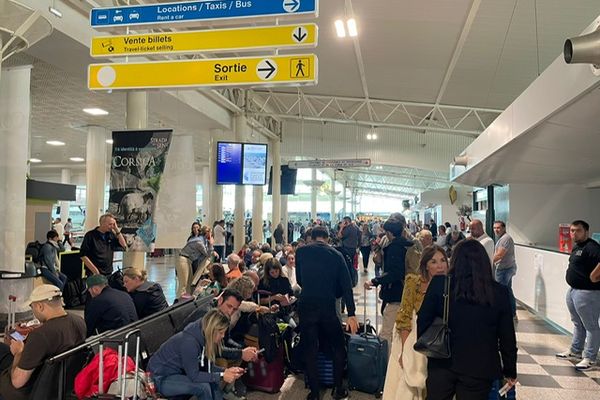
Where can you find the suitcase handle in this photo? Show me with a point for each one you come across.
(137, 333)
(376, 309)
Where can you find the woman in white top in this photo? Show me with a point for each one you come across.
(289, 270)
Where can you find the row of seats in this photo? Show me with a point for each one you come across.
(56, 377)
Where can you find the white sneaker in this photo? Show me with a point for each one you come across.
(584, 364)
(568, 354)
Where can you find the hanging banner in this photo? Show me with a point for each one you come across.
(137, 164)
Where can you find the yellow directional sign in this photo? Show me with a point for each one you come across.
(243, 71)
(288, 36)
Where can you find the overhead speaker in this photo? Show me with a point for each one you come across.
(583, 49)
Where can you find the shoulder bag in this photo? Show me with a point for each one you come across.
(435, 341)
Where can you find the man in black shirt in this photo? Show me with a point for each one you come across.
(100, 243)
(322, 273)
(108, 308)
(583, 296)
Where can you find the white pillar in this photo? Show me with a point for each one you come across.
(15, 109)
(216, 191)
(332, 200)
(344, 201)
(285, 218)
(95, 173)
(206, 194)
(136, 118)
(276, 197)
(313, 195)
(239, 235)
(65, 177)
(257, 213)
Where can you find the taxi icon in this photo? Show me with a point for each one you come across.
(134, 15)
(118, 18)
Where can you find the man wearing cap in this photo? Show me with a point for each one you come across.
(59, 332)
(100, 243)
(108, 308)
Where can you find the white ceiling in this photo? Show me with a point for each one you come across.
(405, 47)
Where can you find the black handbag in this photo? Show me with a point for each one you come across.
(435, 341)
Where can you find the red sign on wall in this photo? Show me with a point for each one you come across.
(565, 244)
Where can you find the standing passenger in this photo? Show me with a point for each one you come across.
(504, 260)
(583, 296)
(323, 275)
(477, 232)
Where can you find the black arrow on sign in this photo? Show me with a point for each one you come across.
(271, 69)
(300, 35)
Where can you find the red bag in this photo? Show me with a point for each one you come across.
(86, 381)
(266, 377)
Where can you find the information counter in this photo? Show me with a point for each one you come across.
(540, 284)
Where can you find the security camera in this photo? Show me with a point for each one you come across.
(583, 49)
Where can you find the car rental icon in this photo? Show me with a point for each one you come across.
(135, 15)
(118, 18)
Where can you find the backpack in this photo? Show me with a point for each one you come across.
(34, 250)
(268, 335)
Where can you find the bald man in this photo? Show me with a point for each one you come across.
(425, 237)
(478, 233)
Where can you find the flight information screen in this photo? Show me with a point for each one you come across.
(255, 164)
(229, 163)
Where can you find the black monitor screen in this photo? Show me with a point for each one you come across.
(288, 180)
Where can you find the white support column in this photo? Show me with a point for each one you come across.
(15, 109)
(206, 195)
(136, 118)
(332, 200)
(276, 197)
(257, 213)
(344, 201)
(285, 218)
(216, 191)
(95, 167)
(313, 195)
(65, 177)
(239, 235)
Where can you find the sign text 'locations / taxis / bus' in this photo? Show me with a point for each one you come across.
(210, 40)
(189, 11)
(243, 71)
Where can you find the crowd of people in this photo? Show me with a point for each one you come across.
(308, 284)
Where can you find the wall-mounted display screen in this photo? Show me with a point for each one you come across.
(241, 163)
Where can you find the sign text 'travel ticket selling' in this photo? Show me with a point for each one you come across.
(187, 11)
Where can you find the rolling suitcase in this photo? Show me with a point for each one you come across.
(367, 359)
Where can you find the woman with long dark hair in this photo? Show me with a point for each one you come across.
(275, 283)
(480, 322)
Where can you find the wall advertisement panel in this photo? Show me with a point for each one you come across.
(137, 164)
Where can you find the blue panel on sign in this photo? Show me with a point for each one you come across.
(198, 11)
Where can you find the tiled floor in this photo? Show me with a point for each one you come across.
(540, 375)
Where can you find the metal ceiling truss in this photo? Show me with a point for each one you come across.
(457, 120)
(404, 173)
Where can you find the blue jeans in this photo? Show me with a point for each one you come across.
(58, 281)
(176, 385)
(584, 307)
(504, 277)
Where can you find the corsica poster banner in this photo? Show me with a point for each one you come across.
(137, 164)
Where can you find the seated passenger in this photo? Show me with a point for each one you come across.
(215, 283)
(59, 332)
(148, 297)
(275, 283)
(108, 308)
(233, 262)
(289, 269)
(50, 251)
(184, 364)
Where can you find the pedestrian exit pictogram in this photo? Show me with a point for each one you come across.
(300, 67)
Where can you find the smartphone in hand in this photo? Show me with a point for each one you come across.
(17, 336)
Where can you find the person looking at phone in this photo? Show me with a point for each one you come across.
(99, 244)
(184, 364)
(59, 332)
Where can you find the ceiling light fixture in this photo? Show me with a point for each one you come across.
(55, 11)
(340, 29)
(55, 143)
(35, 160)
(352, 30)
(369, 136)
(95, 111)
(109, 141)
(77, 159)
